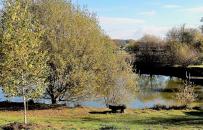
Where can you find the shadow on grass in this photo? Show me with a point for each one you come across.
(175, 121)
(18, 106)
(105, 112)
(190, 118)
(109, 127)
(100, 112)
(195, 113)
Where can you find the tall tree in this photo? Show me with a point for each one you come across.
(81, 56)
(23, 64)
(69, 46)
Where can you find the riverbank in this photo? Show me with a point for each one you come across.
(96, 118)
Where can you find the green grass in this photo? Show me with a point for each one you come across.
(190, 66)
(195, 66)
(80, 118)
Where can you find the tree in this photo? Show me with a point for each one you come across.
(24, 63)
(56, 18)
(150, 50)
(186, 94)
(183, 54)
(81, 55)
(188, 36)
(185, 45)
(71, 38)
(151, 39)
(117, 80)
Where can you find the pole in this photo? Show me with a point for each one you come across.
(25, 110)
(189, 77)
(151, 80)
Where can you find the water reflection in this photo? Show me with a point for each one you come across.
(162, 90)
(11, 99)
(153, 90)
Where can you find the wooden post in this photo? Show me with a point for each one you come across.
(186, 74)
(151, 80)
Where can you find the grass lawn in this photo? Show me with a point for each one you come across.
(94, 119)
(195, 66)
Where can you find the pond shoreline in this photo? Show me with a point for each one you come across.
(18, 106)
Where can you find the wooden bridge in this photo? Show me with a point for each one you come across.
(193, 74)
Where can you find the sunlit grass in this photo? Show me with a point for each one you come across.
(80, 118)
(195, 66)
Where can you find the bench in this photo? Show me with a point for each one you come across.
(115, 108)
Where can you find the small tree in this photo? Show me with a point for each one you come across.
(123, 91)
(23, 62)
(118, 83)
(186, 94)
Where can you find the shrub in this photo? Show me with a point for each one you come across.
(186, 94)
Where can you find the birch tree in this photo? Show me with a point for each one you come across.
(23, 63)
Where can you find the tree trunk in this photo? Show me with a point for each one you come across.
(25, 107)
(53, 100)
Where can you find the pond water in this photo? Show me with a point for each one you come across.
(156, 90)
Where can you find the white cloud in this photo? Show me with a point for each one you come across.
(120, 21)
(195, 9)
(159, 31)
(148, 13)
(136, 32)
(120, 27)
(128, 33)
(171, 6)
(123, 31)
(129, 28)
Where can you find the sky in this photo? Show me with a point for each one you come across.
(131, 19)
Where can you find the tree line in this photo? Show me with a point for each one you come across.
(181, 46)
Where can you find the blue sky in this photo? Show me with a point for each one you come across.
(131, 19)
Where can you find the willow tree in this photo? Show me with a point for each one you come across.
(117, 82)
(23, 64)
(80, 53)
(70, 38)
